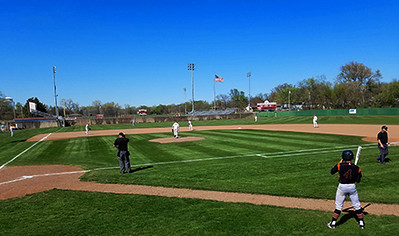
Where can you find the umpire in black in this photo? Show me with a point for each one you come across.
(382, 138)
(123, 154)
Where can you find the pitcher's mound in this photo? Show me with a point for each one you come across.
(176, 140)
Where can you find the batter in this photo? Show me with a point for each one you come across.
(348, 175)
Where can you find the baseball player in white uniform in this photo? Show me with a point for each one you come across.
(175, 128)
(87, 129)
(190, 125)
(315, 121)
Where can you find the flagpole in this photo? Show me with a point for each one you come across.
(214, 90)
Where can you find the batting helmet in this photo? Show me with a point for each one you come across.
(384, 127)
(347, 155)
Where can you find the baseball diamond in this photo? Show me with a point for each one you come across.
(23, 180)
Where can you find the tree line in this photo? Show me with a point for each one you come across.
(356, 86)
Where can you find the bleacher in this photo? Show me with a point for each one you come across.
(213, 112)
(41, 114)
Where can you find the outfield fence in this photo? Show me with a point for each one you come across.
(336, 112)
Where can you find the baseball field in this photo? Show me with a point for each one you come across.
(227, 177)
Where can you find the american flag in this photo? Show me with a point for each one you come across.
(218, 79)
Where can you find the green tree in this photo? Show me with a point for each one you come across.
(361, 76)
(315, 93)
(238, 99)
(346, 95)
(110, 109)
(389, 96)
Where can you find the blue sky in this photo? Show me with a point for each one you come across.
(136, 52)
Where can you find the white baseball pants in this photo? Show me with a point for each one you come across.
(342, 191)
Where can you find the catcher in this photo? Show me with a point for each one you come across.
(348, 175)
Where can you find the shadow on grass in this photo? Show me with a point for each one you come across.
(18, 141)
(140, 168)
(350, 214)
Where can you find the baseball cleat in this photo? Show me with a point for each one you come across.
(331, 225)
(361, 224)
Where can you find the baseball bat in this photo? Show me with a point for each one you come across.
(359, 149)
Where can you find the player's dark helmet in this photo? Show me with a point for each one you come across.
(347, 155)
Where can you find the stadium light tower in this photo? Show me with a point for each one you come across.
(191, 67)
(249, 90)
(55, 93)
(185, 101)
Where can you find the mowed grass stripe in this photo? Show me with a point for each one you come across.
(237, 142)
(268, 141)
(144, 151)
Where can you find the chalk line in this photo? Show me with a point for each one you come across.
(8, 162)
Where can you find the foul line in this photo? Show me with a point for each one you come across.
(264, 155)
(8, 162)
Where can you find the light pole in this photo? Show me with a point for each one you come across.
(289, 100)
(55, 93)
(13, 104)
(249, 90)
(185, 101)
(191, 67)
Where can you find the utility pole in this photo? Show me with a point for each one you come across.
(63, 104)
(55, 93)
(289, 100)
(191, 67)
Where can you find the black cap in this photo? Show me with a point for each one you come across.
(122, 134)
(384, 127)
(347, 155)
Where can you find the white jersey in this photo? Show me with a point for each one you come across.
(175, 126)
(314, 119)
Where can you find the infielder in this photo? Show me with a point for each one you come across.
(87, 129)
(348, 175)
(175, 128)
(315, 121)
(190, 125)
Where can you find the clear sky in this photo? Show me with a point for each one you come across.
(136, 52)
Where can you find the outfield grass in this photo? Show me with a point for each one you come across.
(58, 212)
(286, 171)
